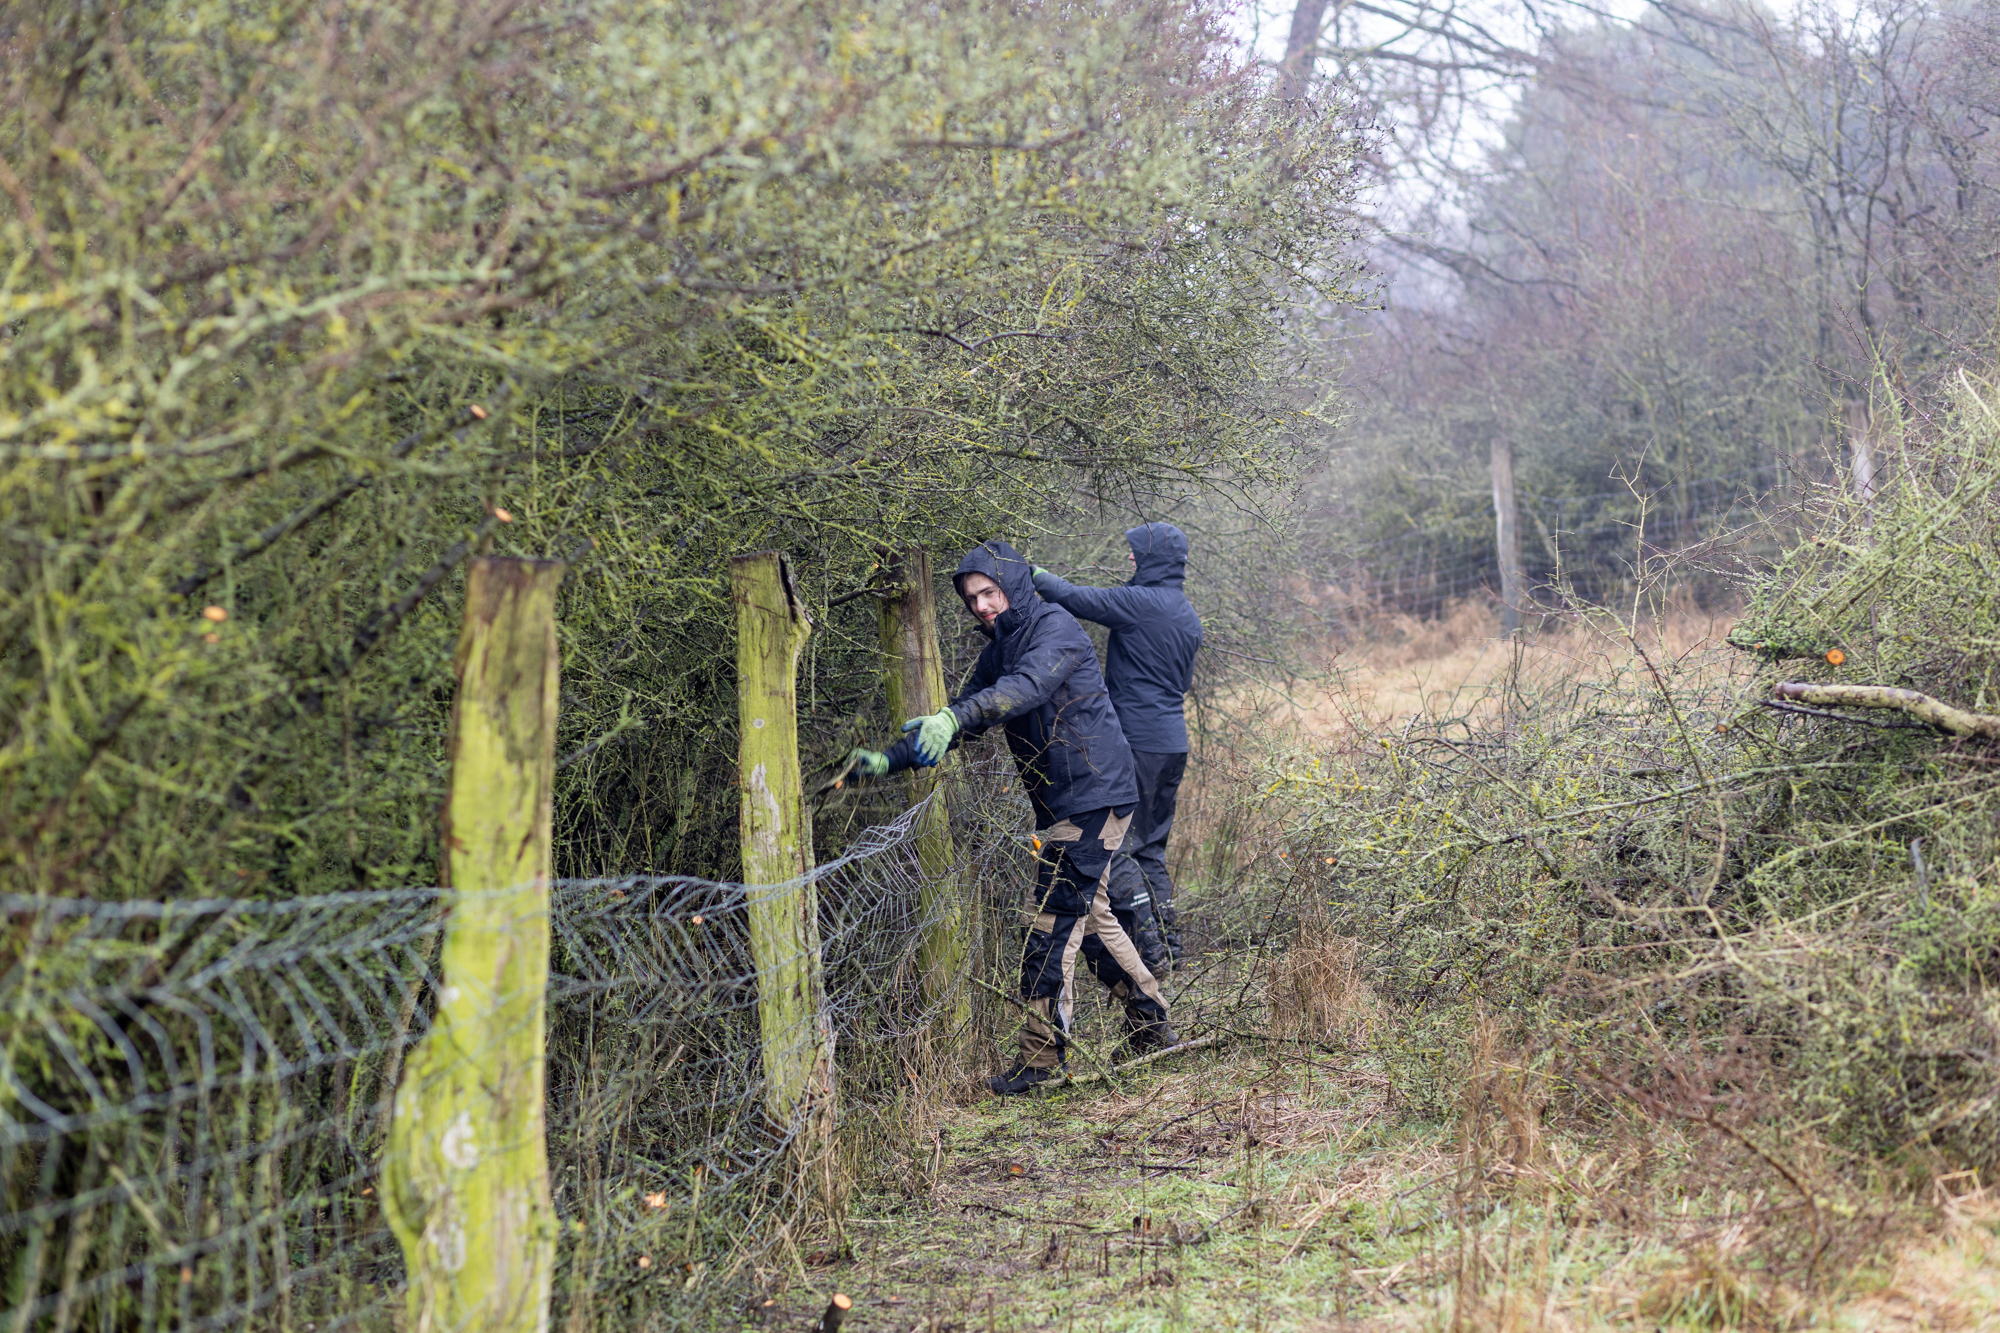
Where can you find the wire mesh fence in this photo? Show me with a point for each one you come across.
(197, 1094)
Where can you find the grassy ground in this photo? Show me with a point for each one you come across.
(1275, 1187)
(1231, 1191)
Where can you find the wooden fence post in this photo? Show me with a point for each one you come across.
(466, 1177)
(1507, 532)
(1861, 460)
(913, 672)
(771, 629)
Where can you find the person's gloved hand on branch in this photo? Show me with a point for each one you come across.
(923, 743)
(934, 734)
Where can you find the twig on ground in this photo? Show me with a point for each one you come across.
(1316, 1045)
(1285, 1041)
(1305, 1228)
(1165, 1124)
(1420, 1185)
(1200, 1043)
(1161, 1170)
(1041, 1221)
(1361, 1275)
(1208, 1228)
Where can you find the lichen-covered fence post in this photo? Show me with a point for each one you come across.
(913, 672)
(467, 1174)
(776, 832)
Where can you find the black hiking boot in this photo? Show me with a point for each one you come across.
(1019, 1079)
(1148, 1035)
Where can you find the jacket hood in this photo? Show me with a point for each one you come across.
(1007, 567)
(1160, 550)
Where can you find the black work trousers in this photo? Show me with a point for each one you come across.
(1152, 823)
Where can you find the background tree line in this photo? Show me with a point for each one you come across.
(1696, 259)
(1711, 267)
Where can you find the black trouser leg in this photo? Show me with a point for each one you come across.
(1152, 824)
(1047, 962)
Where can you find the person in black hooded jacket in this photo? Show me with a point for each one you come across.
(1148, 665)
(1038, 681)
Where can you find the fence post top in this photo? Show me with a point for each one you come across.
(743, 573)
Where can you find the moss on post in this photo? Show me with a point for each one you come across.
(467, 1174)
(913, 673)
(771, 629)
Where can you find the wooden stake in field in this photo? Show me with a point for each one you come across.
(466, 1175)
(771, 629)
(1507, 533)
(913, 673)
(1861, 458)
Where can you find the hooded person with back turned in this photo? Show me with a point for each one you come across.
(1038, 680)
(1149, 665)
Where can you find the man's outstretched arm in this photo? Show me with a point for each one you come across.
(1036, 677)
(1040, 672)
(1115, 607)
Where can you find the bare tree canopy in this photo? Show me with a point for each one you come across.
(1708, 246)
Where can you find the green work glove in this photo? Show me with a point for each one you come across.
(868, 763)
(1039, 573)
(934, 735)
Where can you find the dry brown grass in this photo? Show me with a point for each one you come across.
(1390, 668)
(1314, 988)
(1948, 1282)
(1396, 666)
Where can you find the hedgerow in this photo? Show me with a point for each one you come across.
(302, 306)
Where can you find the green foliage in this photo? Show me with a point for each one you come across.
(300, 307)
(1696, 896)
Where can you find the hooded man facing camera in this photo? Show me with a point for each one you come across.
(1038, 680)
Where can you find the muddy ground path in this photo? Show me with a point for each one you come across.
(1241, 1188)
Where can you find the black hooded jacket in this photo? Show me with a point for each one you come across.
(1039, 680)
(1154, 634)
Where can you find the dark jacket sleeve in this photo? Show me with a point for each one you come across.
(903, 753)
(1107, 606)
(1038, 675)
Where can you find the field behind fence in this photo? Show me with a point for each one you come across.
(1596, 546)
